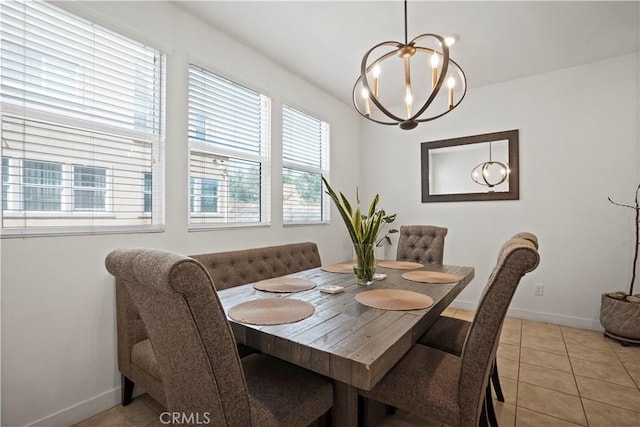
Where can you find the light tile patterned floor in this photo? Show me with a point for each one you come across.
(551, 376)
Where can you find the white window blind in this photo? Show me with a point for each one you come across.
(305, 156)
(228, 152)
(81, 110)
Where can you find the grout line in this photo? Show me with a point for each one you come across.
(552, 389)
(608, 382)
(515, 412)
(575, 381)
(622, 363)
(544, 367)
(609, 404)
(557, 418)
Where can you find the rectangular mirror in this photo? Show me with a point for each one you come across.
(471, 168)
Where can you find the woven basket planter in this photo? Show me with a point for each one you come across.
(620, 317)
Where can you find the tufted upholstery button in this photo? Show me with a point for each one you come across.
(421, 243)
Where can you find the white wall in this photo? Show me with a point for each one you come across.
(58, 311)
(578, 145)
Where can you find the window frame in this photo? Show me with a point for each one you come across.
(15, 194)
(147, 191)
(263, 159)
(153, 134)
(108, 207)
(24, 185)
(6, 186)
(196, 196)
(323, 170)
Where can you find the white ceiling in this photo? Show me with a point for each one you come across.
(324, 41)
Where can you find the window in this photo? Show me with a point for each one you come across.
(89, 188)
(305, 156)
(5, 183)
(204, 195)
(42, 186)
(148, 192)
(81, 123)
(228, 152)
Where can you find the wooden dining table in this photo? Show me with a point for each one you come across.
(353, 344)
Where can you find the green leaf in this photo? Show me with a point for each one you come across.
(372, 206)
(346, 204)
(389, 219)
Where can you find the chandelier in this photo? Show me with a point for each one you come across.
(392, 100)
(490, 173)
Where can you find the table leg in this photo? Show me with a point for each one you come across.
(344, 412)
(371, 412)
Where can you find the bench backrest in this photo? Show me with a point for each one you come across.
(235, 268)
(227, 269)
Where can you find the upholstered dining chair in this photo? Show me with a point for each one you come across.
(451, 388)
(196, 352)
(449, 334)
(421, 243)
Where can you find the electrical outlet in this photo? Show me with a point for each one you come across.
(539, 289)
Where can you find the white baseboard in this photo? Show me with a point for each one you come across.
(80, 411)
(539, 316)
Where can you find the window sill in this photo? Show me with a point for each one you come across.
(56, 215)
(80, 231)
(206, 215)
(215, 227)
(303, 224)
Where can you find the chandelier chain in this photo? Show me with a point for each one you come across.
(406, 26)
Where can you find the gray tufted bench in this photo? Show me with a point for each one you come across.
(421, 243)
(136, 359)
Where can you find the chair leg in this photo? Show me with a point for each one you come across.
(324, 420)
(127, 390)
(491, 413)
(483, 416)
(495, 379)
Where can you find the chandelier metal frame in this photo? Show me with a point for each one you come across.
(484, 167)
(406, 50)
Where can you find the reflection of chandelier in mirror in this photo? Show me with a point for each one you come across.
(432, 53)
(490, 173)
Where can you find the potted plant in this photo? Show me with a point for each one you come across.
(363, 230)
(620, 311)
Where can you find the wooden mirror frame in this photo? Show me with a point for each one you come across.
(514, 170)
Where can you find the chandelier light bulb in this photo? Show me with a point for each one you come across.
(364, 93)
(434, 60)
(450, 40)
(451, 82)
(408, 99)
(376, 71)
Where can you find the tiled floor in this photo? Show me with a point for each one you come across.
(551, 376)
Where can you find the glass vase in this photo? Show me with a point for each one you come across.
(365, 263)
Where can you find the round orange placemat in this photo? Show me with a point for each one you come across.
(271, 311)
(338, 268)
(400, 265)
(394, 299)
(284, 284)
(430, 277)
